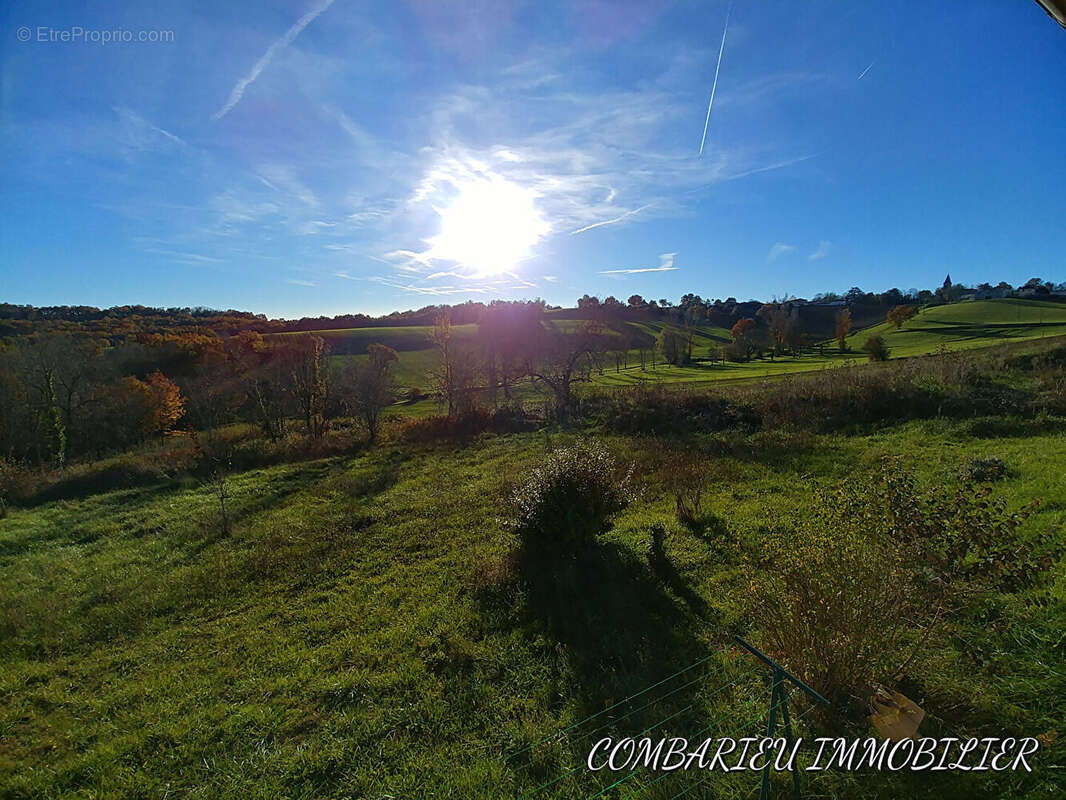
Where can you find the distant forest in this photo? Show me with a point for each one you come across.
(151, 325)
(80, 382)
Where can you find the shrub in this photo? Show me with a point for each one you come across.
(983, 470)
(686, 476)
(830, 600)
(875, 348)
(842, 593)
(657, 410)
(506, 419)
(569, 500)
(16, 484)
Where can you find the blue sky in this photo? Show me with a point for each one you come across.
(320, 158)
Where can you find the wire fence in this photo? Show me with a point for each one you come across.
(676, 704)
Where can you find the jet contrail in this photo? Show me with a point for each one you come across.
(610, 221)
(721, 49)
(866, 70)
(237, 92)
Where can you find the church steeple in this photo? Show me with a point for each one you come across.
(947, 282)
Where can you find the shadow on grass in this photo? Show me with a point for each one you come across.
(615, 624)
(665, 570)
(614, 619)
(1010, 427)
(709, 527)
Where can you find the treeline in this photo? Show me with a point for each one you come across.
(135, 322)
(66, 397)
(816, 313)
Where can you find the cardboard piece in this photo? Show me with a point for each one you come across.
(894, 716)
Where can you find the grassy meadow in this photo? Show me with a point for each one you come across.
(976, 323)
(358, 631)
(336, 643)
(972, 324)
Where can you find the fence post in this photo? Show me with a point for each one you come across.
(779, 697)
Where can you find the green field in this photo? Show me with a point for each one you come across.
(976, 323)
(349, 636)
(957, 326)
(336, 645)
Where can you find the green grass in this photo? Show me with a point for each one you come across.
(971, 324)
(343, 639)
(957, 326)
(340, 644)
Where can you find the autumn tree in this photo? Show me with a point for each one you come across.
(843, 328)
(503, 329)
(159, 400)
(875, 348)
(900, 314)
(676, 346)
(59, 382)
(263, 372)
(743, 335)
(782, 325)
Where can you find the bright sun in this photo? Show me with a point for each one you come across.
(490, 227)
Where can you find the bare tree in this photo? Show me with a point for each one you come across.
(57, 374)
(558, 360)
(456, 373)
(368, 389)
(309, 382)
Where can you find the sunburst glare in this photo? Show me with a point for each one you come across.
(490, 227)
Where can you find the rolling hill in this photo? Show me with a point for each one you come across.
(964, 325)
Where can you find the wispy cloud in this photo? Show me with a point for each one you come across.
(442, 290)
(137, 135)
(589, 159)
(584, 152)
(770, 167)
(779, 249)
(635, 271)
(237, 92)
(315, 226)
(407, 260)
(822, 251)
(282, 178)
(666, 264)
(297, 282)
(186, 258)
(614, 221)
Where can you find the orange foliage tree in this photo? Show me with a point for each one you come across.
(160, 400)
